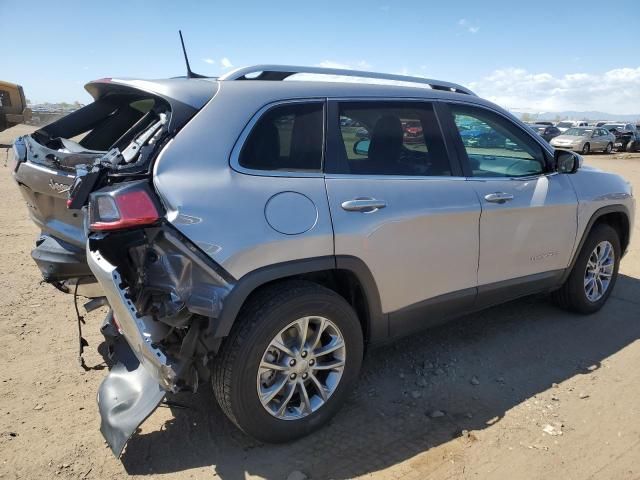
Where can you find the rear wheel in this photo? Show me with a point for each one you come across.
(586, 149)
(609, 148)
(594, 274)
(290, 361)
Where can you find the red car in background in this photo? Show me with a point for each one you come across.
(412, 131)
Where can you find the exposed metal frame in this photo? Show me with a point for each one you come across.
(280, 72)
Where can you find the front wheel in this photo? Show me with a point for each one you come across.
(609, 148)
(290, 361)
(594, 274)
(586, 148)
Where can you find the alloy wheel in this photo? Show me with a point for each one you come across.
(301, 368)
(599, 271)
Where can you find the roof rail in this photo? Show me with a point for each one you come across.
(280, 72)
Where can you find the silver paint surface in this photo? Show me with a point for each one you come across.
(291, 213)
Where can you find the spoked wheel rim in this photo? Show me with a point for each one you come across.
(609, 148)
(586, 148)
(599, 271)
(301, 368)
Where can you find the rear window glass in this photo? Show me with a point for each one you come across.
(287, 137)
(5, 99)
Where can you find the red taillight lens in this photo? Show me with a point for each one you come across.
(116, 211)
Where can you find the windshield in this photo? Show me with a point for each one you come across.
(579, 132)
(565, 124)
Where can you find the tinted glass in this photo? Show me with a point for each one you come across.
(287, 137)
(5, 98)
(496, 147)
(391, 138)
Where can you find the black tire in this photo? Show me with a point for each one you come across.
(586, 148)
(236, 365)
(609, 148)
(630, 147)
(571, 296)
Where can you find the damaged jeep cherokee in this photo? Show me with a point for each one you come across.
(264, 240)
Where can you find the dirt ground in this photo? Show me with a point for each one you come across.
(521, 391)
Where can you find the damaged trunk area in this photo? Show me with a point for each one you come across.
(165, 298)
(113, 139)
(49, 160)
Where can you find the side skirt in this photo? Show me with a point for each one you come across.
(438, 310)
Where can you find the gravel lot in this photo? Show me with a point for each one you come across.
(518, 391)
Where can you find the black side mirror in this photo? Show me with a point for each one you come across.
(566, 161)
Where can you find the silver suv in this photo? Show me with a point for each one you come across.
(261, 233)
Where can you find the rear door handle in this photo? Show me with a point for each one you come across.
(363, 205)
(498, 197)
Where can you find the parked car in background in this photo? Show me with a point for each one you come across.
(564, 125)
(627, 136)
(585, 140)
(545, 131)
(13, 105)
(619, 127)
(550, 124)
(412, 131)
(361, 132)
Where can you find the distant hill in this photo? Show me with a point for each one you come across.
(574, 115)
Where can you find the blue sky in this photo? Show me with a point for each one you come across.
(532, 56)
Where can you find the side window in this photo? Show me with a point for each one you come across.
(286, 138)
(391, 138)
(5, 98)
(496, 147)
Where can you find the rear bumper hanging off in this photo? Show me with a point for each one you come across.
(126, 397)
(142, 375)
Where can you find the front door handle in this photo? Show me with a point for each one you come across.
(498, 197)
(366, 205)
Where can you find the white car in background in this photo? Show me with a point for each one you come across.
(567, 124)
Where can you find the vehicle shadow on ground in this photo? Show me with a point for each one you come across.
(515, 351)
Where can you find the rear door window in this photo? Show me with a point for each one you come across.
(390, 138)
(286, 138)
(495, 146)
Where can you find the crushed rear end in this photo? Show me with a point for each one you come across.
(162, 292)
(165, 297)
(46, 162)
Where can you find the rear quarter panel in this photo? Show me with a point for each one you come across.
(223, 211)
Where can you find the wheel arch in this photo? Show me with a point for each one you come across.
(618, 217)
(346, 275)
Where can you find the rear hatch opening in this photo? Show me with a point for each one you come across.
(122, 131)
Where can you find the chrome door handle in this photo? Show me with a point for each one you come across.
(363, 205)
(498, 197)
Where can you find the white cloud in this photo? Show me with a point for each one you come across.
(614, 91)
(210, 61)
(468, 26)
(226, 63)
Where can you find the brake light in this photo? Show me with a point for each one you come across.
(122, 209)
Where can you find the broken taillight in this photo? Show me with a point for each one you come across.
(131, 205)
